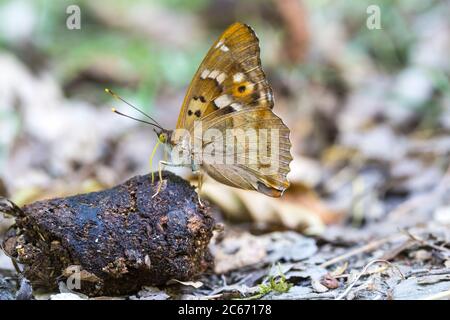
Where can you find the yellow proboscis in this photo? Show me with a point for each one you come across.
(151, 160)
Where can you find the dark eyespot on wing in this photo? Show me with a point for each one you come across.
(198, 113)
(189, 112)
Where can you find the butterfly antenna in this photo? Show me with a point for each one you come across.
(112, 93)
(133, 118)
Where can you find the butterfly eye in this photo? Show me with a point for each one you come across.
(163, 137)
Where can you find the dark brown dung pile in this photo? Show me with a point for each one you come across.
(119, 239)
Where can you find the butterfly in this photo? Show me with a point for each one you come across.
(229, 93)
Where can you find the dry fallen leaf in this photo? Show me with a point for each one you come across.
(318, 286)
(237, 251)
(299, 209)
(339, 270)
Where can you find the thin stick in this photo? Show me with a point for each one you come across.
(348, 275)
(393, 252)
(424, 242)
(368, 247)
(364, 270)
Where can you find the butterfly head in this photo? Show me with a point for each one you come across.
(164, 136)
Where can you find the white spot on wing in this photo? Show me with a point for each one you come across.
(221, 78)
(219, 43)
(214, 74)
(204, 74)
(224, 48)
(236, 106)
(222, 101)
(238, 77)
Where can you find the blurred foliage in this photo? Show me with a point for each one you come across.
(69, 51)
(157, 65)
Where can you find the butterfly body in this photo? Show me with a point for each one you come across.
(230, 97)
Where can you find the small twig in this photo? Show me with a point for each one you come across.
(340, 297)
(348, 275)
(368, 247)
(423, 242)
(394, 252)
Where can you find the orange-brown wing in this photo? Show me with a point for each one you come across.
(230, 75)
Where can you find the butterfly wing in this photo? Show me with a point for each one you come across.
(230, 75)
(228, 93)
(251, 152)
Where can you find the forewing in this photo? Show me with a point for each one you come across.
(229, 76)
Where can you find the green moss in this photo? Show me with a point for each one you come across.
(277, 284)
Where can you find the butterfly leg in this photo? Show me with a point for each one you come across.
(199, 188)
(160, 168)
